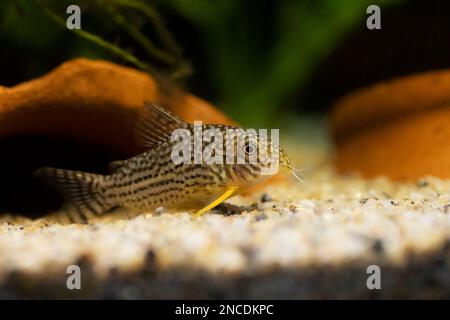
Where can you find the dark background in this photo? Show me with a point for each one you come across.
(259, 61)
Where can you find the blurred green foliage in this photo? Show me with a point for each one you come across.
(255, 74)
(253, 54)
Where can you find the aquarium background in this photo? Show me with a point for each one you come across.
(267, 64)
(261, 62)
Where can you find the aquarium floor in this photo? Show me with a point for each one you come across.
(306, 240)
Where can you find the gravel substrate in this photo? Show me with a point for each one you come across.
(298, 240)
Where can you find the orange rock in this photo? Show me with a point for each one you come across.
(95, 102)
(400, 128)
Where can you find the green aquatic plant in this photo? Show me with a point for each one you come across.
(170, 55)
(252, 55)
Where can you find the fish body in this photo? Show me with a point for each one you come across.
(152, 179)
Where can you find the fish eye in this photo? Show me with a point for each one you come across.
(250, 149)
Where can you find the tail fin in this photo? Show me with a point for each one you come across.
(84, 190)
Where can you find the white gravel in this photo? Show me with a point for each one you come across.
(329, 220)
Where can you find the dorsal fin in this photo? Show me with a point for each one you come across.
(155, 125)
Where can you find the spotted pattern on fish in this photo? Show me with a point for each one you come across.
(151, 179)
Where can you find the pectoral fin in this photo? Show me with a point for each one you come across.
(228, 193)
